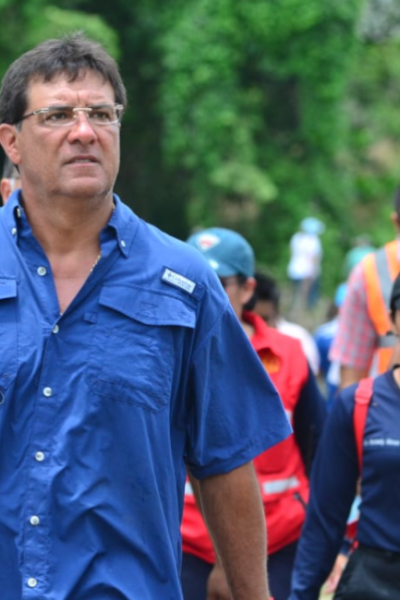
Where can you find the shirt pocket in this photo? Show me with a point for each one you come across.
(8, 333)
(132, 352)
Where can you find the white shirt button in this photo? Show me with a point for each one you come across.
(55, 329)
(32, 582)
(47, 391)
(34, 520)
(14, 231)
(123, 244)
(42, 271)
(39, 456)
(18, 212)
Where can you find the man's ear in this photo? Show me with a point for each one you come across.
(9, 141)
(248, 289)
(6, 189)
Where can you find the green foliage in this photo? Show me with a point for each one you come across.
(261, 86)
(52, 21)
(251, 115)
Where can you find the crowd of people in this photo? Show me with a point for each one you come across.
(165, 433)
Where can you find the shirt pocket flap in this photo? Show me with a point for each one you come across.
(148, 307)
(8, 288)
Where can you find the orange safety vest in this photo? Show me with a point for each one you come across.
(280, 470)
(380, 270)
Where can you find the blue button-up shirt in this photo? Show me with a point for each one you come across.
(102, 406)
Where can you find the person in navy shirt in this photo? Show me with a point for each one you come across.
(373, 571)
(121, 363)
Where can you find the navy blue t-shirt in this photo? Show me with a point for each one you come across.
(333, 484)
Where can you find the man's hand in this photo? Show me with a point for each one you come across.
(217, 585)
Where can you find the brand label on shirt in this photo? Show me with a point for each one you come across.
(178, 281)
(381, 442)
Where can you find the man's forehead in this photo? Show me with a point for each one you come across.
(64, 83)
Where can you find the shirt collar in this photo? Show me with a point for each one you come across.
(261, 339)
(266, 337)
(123, 221)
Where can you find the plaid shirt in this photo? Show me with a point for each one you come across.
(356, 339)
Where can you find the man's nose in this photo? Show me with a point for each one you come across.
(82, 127)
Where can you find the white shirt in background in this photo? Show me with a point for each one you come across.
(307, 341)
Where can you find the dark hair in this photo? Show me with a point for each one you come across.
(71, 55)
(267, 289)
(10, 171)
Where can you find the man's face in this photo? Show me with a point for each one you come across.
(79, 161)
(239, 293)
(266, 310)
(395, 322)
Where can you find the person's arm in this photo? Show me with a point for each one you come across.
(333, 487)
(308, 419)
(233, 510)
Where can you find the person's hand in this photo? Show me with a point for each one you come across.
(336, 573)
(217, 585)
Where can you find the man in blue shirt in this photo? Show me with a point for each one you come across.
(121, 363)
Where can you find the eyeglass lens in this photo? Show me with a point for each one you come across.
(67, 115)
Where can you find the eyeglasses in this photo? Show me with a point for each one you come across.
(65, 116)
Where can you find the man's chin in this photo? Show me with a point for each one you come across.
(87, 189)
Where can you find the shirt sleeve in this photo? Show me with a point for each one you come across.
(236, 411)
(356, 339)
(308, 419)
(333, 488)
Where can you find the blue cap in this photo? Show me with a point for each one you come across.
(227, 252)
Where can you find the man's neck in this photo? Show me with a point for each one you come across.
(247, 328)
(69, 227)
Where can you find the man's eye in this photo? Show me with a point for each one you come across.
(58, 115)
(101, 115)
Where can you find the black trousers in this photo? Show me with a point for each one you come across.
(370, 574)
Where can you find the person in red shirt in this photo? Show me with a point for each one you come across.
(283, 470)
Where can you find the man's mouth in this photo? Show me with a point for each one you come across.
(83, 160)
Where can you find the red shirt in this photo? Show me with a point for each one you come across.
(280, 470)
